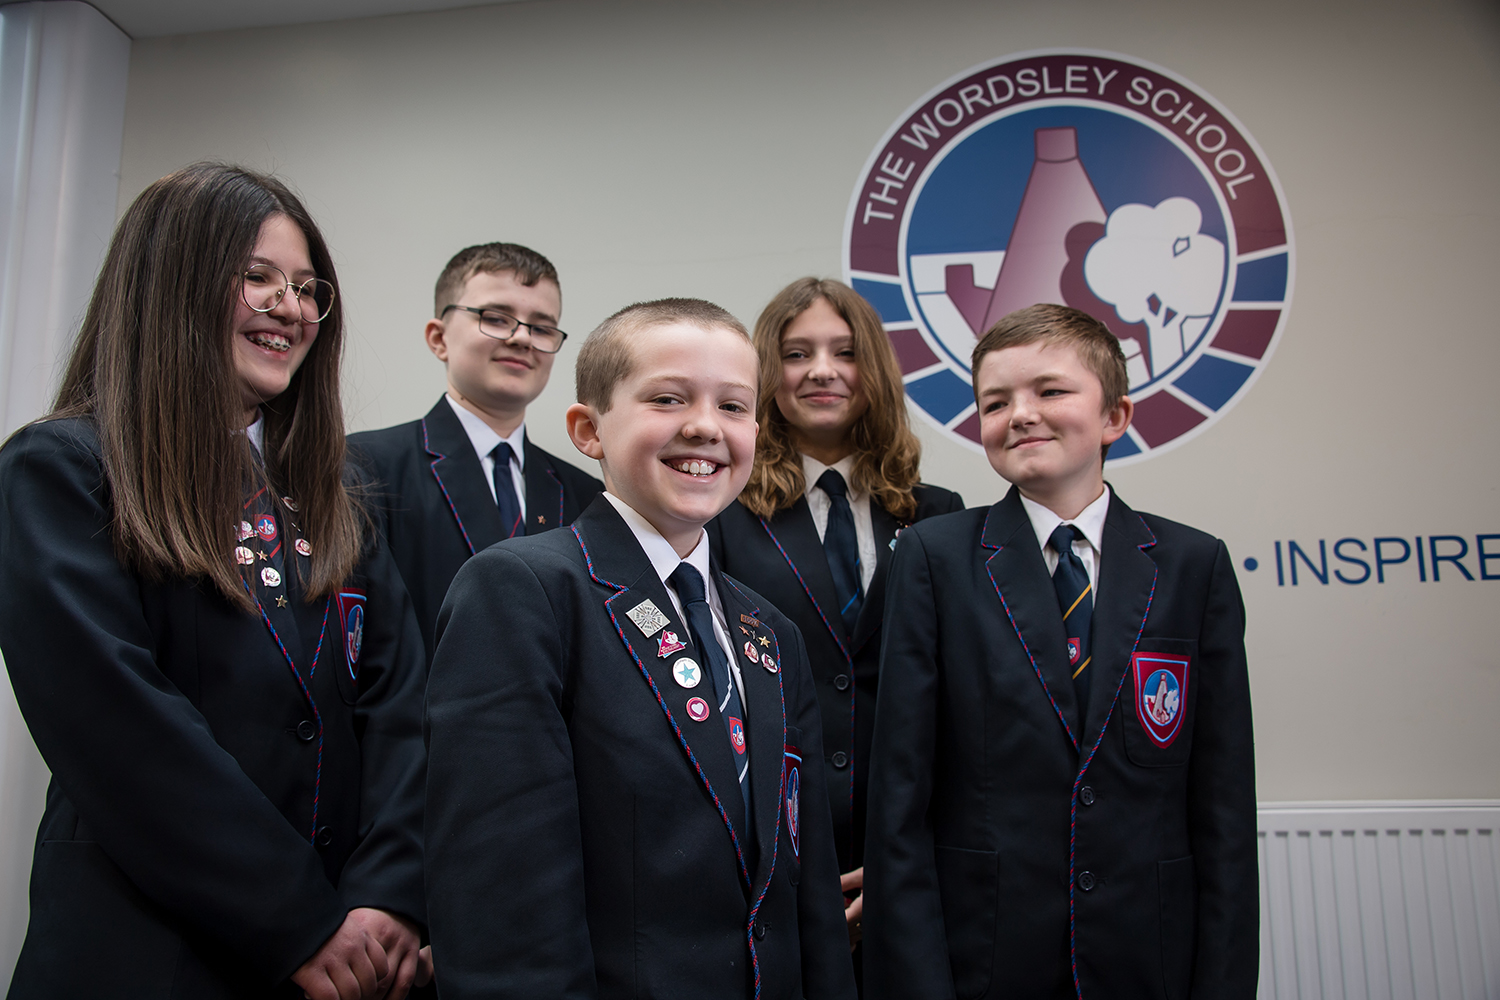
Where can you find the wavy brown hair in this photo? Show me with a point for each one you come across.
(153, 366)
(887, 455)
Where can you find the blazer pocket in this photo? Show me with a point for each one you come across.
(1158, 699)
(968, 882)
(1179, 903)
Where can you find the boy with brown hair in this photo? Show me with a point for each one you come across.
(1062, 796)
(467, 474)
(617, 800)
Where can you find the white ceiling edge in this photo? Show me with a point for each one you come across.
(159, 18)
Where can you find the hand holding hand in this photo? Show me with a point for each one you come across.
(854, 909)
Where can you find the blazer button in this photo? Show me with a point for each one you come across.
(1086, 795)
(306, 731)
(841, 682)
(1086, 881)
(760, 932)
(840, 759)
(325, 837)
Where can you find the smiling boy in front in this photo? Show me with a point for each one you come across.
(1062, 791)
(617, 804)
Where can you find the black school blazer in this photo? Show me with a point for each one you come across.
(434, 506)
(1014, 846)
(219, 798)
(784, 559)
(586, 837)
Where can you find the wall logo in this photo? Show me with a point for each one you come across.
(1089, 179)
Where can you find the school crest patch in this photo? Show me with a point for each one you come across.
(1161, 681)
(351, 605)
(793, 806)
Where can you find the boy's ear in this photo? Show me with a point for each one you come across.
(583, 429)
(1117, 419)
(436, 335)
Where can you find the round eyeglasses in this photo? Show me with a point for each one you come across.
(502, 326)
(265, 285)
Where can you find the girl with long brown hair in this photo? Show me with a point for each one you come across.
(215, 658)
(835, 480)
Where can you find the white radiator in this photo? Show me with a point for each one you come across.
(1380, 900)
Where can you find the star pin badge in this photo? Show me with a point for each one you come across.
(687, 673)
(648, 618)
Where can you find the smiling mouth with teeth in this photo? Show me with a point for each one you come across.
(270, 341)
(695, 467)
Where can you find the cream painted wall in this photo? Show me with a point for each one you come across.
(709, 149)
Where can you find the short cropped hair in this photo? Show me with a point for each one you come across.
(490, 258)
(605, 360)
(1097, 348)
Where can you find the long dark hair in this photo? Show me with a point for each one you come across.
(153, 365)
(887, 454)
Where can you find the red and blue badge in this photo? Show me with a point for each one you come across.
(351, 604)
(792, 803)
(265, 527)
(737, 735)
(1161, 681)
(1075, 651)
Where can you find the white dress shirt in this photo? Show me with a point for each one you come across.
(665, 560)
(484, 439)
(1090, 547)
(819, 504)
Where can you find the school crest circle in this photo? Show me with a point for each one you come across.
(1089, 179)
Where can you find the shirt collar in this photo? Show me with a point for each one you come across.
(664, 558)
(812, 471)
(256, 432)
(483, 437)
(1090, 521)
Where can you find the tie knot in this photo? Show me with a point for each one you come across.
(1062, 538)
(832, 483)
(502, 453)
(688, 583)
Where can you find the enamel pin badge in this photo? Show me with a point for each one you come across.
(243, 556)
(270, 577)
(687, 673)
(245, 530)
(668, 643)
(648, 618)
(768, 663)
(750, 651)
(697, 709)
(303, 547)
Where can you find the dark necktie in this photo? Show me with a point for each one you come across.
(1075, 597)
(505, 491)
(688, 583)
(842, 548)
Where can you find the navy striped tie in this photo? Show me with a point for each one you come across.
(841, 546)
(1075, 598)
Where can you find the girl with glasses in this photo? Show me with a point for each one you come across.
(216, 659)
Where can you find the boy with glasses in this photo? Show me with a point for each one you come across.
(466, 475)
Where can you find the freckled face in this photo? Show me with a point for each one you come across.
(1042, 422)
(820, 393)
(268, 348)
(678, 440)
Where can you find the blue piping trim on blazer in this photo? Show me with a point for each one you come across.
(317, 716)
(780, 797)
(1078, 781)
(677, 730)
(438, 457)
(848, 659)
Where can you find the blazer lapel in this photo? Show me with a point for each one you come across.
(461, 478)
(1019, 574)
(1127, 582)
(766, 708)
(637, 606)
(885, 526)
(544, 492)
(793, 532)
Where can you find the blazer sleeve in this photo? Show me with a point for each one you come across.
(906, 951)
(385, 870)
(505, 884)
(1221, 799)
(134, 757)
